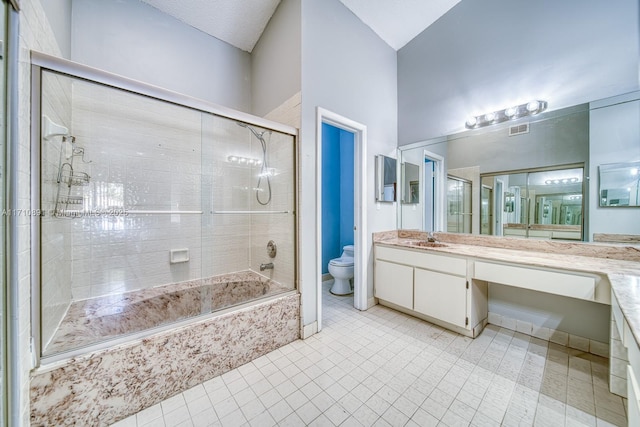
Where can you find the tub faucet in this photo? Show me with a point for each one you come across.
(268, 266)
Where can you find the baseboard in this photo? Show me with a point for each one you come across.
(309, 330)
(552, 335)
(326, 277)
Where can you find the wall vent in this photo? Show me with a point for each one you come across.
(519, 129)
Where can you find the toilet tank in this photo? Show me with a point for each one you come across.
(347, 251)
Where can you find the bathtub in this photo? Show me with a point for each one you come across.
(122, 379)
(91, 321)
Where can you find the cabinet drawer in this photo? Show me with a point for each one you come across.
(441, 296)
(445, 264)
(394, 283)
(569, 285)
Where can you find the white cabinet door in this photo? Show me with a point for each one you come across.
(441, 296)
(394, 283)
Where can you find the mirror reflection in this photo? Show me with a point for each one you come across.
(458, 205)
(536, 204)
(385, 179)
(619, 184)
(410, 183)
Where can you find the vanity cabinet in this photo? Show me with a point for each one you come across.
(394, 283)
(625, 351)
(430, 286)
(441, 296)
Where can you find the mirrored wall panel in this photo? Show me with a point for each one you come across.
(619, 184)
(386, 179)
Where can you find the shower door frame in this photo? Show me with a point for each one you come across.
(42, 62)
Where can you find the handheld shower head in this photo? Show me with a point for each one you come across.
(257, 134)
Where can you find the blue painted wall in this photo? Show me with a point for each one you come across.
(337, 192)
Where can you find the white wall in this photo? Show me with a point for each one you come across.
(58, 14)
(35, 33)
(133, 39)
(276, 60)
(614, 137)
(484, 56)
(349, 70)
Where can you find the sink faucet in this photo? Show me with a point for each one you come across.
(268, 266)
(431, 237)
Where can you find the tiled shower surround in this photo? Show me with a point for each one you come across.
(100, 388)
(145, 155)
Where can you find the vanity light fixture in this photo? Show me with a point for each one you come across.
(562, 181)
(244, 161)
(512, 113)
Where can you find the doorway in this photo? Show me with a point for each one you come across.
(359, 191)
(337, 193)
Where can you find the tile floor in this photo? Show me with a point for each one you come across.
(383, 368)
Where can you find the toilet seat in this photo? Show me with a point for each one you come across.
(342, 262)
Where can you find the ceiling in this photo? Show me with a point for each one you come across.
(241, 22)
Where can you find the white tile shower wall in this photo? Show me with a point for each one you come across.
(228, 187)
(55, 232)
(288, 112)
(35, 33)
(277, 227)
(145, 155)
(233, 241)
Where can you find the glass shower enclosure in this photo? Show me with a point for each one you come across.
(155, 208)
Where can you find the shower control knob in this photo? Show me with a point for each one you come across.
(272, 250)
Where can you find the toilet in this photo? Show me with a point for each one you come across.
(342, 271)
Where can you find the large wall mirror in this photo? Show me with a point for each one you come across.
(555, 181)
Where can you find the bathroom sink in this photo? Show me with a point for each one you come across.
(427, 244)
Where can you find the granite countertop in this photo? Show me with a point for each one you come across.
(619, 263)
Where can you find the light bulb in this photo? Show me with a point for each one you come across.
(511, 111)
(634, 171)
(490, 117)
(232, 158)
(472, 121)
(533, 106)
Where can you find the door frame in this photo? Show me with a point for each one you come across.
(439, 193)
(359, 207)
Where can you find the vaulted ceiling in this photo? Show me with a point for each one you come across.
(241, 22)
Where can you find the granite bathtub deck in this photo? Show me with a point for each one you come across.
(95, 320)
(102, 387)
(620, 264)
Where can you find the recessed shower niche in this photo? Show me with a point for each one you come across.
(127, 181)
